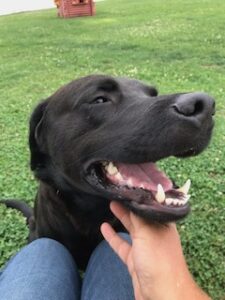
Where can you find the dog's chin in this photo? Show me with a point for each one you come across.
(142, 188)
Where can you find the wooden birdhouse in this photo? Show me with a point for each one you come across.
(75, 8)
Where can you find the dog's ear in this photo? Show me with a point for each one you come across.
(37, 158)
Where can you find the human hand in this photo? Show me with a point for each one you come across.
(155, 259)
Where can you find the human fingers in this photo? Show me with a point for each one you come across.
(122, 214)
(119, 245)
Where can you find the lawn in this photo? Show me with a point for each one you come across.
(176, 45)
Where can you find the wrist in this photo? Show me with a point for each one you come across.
(183, 288)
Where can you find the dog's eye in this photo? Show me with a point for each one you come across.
(100, 100)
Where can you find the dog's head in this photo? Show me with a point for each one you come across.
(101, 135)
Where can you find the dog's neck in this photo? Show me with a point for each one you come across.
(57, 190)
(75, 202)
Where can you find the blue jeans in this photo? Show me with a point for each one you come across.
(45, 270)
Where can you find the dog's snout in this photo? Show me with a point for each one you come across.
(198, 106)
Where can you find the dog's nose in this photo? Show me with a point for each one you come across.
(195, 106)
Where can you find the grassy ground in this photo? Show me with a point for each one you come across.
(176, 45)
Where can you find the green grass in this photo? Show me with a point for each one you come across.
(176, 45)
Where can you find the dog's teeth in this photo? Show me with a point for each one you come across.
(172, 201)
(175, 201)
(186, 198)
(160, 195)
(129, 182)
(111, 169)
(185, 188)
(169, 201)
(104, 163)
(118, 176)
(179, 202)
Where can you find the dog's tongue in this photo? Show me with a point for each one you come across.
(146, 176)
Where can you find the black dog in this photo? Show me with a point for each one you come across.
(97, 139)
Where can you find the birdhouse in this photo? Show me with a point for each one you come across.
(75, 8)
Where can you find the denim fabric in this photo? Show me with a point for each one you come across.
(45, 270)
(106, 277)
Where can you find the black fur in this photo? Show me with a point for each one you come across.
(70, 130)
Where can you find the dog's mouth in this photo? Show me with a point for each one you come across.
(143, 188)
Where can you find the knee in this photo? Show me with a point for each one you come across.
(46, 247)
(48, 253)
(43, 243)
